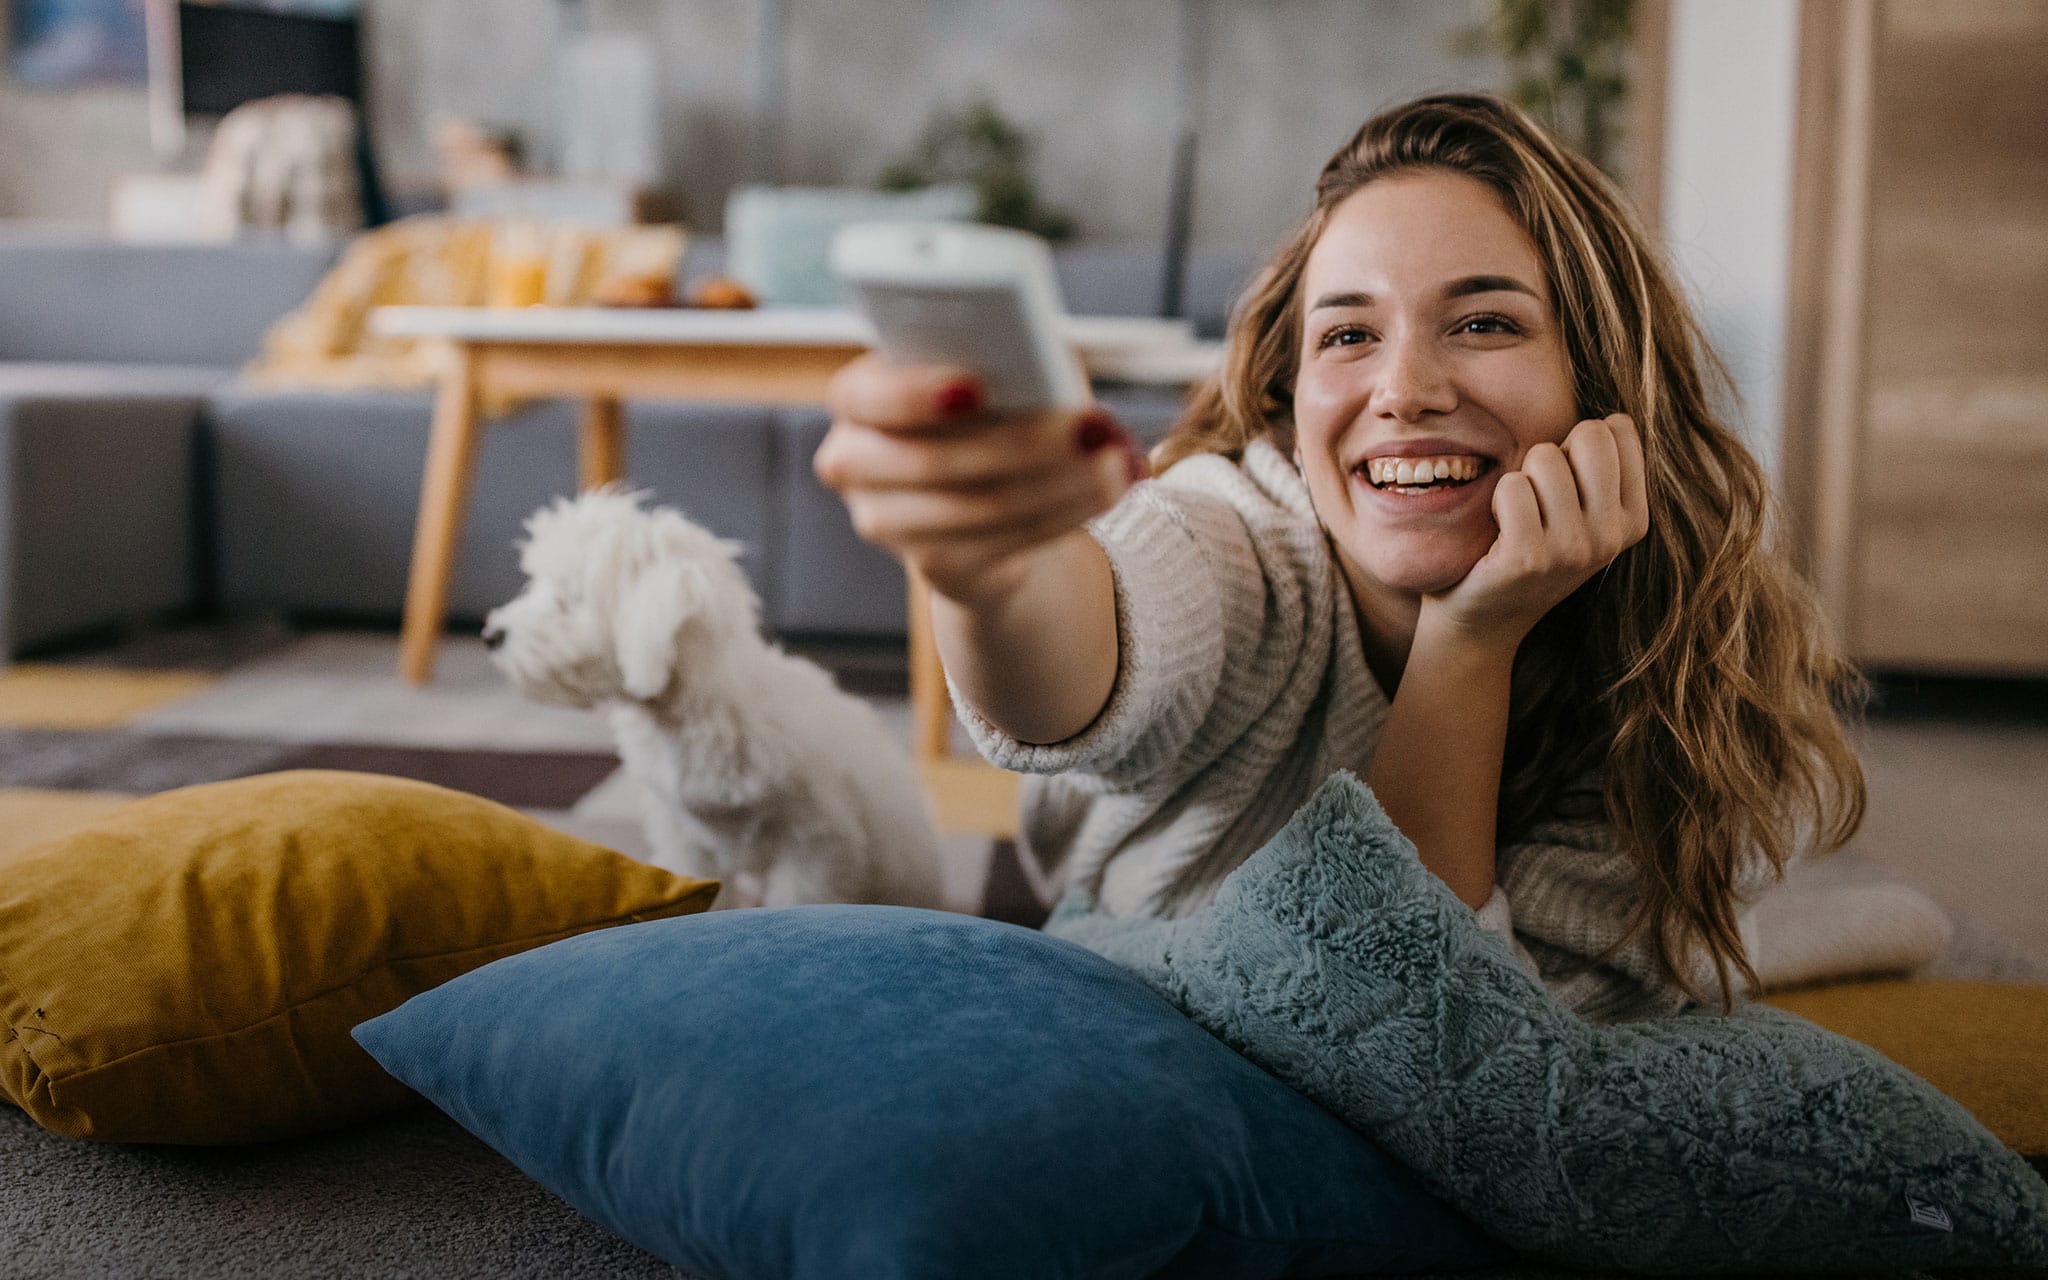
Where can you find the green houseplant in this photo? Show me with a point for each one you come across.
(1567, 60)
(977, 145)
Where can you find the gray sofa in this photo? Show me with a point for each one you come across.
(142, 475)
(107, 356)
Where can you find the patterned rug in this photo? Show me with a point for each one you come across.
(84, 733)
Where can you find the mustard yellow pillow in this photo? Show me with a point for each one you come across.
(1980, 1043)
(187, 969)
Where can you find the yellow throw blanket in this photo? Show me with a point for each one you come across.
(439, 261)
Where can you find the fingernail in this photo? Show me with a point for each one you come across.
(960, 399)
(1095, 432)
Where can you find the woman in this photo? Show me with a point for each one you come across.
(1455, 515)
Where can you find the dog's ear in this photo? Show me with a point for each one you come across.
(651, 617)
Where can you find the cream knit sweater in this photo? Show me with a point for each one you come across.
(1241, 684)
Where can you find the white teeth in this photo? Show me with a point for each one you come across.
(1395, 472)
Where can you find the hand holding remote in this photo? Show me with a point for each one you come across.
(960, 495)
(969, 447)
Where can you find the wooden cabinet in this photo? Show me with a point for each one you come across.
(1916, 433)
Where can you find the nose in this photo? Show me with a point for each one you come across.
(1413, 380)
(494, 635)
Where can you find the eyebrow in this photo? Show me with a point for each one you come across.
(1460, 288)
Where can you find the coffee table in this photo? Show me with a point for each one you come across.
(780, 356)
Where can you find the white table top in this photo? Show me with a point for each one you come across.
(1133, 348)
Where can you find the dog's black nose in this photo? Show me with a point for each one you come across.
(493, 637)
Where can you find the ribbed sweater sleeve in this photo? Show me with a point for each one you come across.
(1170, 650)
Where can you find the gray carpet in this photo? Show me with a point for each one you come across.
(411, 1195)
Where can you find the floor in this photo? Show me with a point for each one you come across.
(1958, 770)
(88, 726)
(1958, 777)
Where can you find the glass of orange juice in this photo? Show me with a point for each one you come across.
(519, 266)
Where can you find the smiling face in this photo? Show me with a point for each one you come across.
(1431, 362)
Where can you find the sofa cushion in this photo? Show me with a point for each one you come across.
(187, 968)
(316, 492)
(882, 1091)
(1125, 280)
(828, 580)
(87, 380)
(65, 297)
(97, 521)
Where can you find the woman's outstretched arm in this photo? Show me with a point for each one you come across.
(989, 512)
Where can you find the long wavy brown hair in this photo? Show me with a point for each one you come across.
(1694, 674)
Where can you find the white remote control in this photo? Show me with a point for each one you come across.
(981, 297)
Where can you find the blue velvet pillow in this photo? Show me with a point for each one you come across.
(888, 1092)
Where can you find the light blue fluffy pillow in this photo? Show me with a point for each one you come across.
(1699, 1143)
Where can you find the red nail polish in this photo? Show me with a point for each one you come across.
(960, 399)
(1094, 434)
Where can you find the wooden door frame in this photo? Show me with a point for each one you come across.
(1649, 94)
(1826, 298)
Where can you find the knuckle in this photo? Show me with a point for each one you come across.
(842, 389)
(827, 463)
(931, 466)
(871, 525)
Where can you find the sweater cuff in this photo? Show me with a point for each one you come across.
(1169, 653)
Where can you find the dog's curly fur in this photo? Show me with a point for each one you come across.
(753, 767)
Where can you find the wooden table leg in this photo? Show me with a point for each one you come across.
(931, 713)
(452, 445)
(602, 457)
(969, 797)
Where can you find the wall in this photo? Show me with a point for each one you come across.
(1728, 190)
(1285, 82)
(60, 149)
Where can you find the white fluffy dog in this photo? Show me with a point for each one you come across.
(753, 767)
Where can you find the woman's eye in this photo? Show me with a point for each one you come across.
(1344, 335)
(1488, 325)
